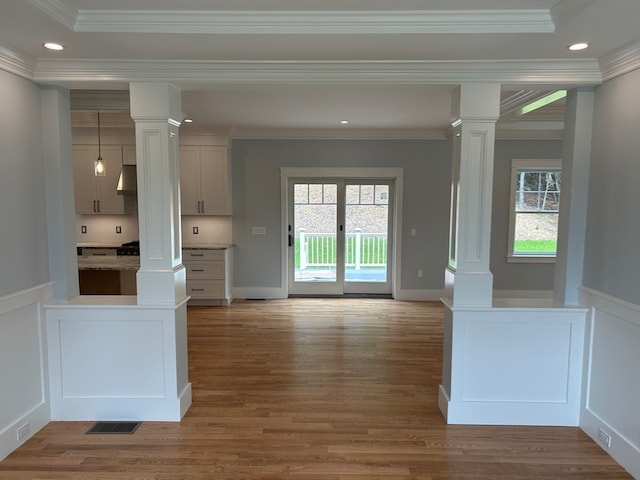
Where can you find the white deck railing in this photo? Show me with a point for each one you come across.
(362, 249)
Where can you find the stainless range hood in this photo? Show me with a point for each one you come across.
(128, 181)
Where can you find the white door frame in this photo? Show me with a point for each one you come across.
(393, 173)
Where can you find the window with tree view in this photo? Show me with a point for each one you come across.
(535, 204)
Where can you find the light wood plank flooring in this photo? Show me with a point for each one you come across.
(340, 389)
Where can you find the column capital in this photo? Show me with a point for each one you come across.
(144, 103)
(476, 102)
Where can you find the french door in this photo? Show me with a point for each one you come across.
(339, 236)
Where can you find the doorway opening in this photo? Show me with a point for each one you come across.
(341, 235)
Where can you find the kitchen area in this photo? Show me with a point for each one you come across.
(106, 208)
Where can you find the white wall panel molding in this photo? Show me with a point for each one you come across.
(611, 390)
(187, 74)
(514, 365)
(110, 359)
(17, 63)
(620, 61)
(23, 366)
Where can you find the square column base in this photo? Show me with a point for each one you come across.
(162, 287)
(469, 289)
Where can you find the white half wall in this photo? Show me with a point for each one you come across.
(110, 359)
(612, 381)
(23, 366)
(513, 365)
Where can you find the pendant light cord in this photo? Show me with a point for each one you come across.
(99, 142)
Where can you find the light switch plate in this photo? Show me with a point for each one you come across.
(259, 230)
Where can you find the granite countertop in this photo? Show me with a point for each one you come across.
(207, 246)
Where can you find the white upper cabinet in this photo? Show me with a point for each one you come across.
(97, 195)
(204, 180)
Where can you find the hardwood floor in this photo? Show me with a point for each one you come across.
(340, 389)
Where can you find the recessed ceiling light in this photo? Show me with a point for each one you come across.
(53, 46)
(578, 46)
(188, 120)
(344, 122)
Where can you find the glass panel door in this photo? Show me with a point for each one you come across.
(367, 239)
(314, 234)
(339, 240)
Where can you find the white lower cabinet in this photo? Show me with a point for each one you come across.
(209, 278)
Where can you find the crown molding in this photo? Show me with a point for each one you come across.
(620, 61)
(188, 74)
(59, 10)
(299, 22)
(17, 63)
(565, 10)
(338, 133)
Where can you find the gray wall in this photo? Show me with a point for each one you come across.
(515, 276)
(23, 234)
(612, 257)
(256, 202)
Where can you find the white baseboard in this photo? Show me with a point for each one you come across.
(419, 295)
(249, 293)
(620, 448)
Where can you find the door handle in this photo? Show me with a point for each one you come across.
(341, 227)
(290, 240)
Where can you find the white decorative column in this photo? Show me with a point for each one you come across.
(572, 222)
(468, 280)
(156, 110)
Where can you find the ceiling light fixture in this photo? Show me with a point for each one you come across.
(188, 120)
(53, 46)
(98, 167)
(344, 122)
(578, 46)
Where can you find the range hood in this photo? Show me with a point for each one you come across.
(128, 181)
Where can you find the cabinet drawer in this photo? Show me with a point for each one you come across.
(195, 254)
(205, 288)
(205, 269)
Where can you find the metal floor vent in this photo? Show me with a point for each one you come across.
(114, 427)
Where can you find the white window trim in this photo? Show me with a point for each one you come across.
(526, 164)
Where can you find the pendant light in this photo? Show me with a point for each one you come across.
(98, 167)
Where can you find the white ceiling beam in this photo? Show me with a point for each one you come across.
(299, 22)
(197, 73)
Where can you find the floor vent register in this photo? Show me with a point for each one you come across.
(114, 427)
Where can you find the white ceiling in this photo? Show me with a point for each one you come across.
(298, 67)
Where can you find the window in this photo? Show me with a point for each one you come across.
(533, 211)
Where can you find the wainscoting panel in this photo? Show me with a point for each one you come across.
(23, 367)
(512, 365)
(612, 382)
(110, 359)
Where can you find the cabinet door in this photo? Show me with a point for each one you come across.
(214, 181)
(84, 181)
(107, 187)
(190, 180)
